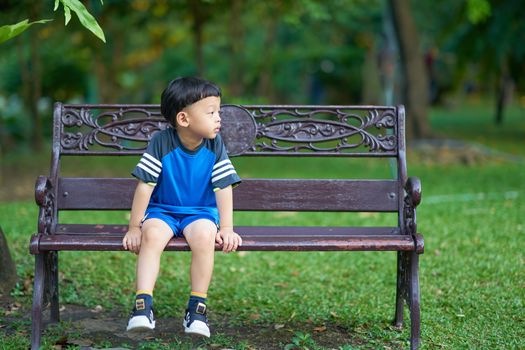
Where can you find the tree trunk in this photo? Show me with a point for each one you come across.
(198, 22)
(31, 74)
(236, 86)
(415, 80)
(7, 267)
(503, 88)
(107, 61)
(264, 87)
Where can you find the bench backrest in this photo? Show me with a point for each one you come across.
(299, 131)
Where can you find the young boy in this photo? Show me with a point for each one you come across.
(184, 190)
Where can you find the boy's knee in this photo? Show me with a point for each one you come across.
(202, 233)
(150, 235)
(204, 236)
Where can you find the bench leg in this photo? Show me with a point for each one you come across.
(38, 300)
(413, 302)
(51, 271)
(400, 290)
(408, 290)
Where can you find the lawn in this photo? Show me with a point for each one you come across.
(471, 276)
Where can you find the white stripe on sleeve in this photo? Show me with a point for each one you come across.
(148, 170)
(153, 159)
(150, 164)
(221, 163)
(224, 168)
(223, 175)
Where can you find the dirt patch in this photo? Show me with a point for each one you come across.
(449, 151)
(92, 329)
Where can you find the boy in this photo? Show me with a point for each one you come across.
(184, 190)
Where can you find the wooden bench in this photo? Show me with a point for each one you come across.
(290, 131)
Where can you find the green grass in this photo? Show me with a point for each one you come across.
(471, 275)
(474, 122)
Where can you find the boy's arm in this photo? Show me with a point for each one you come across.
(141, 198)
(226, 235)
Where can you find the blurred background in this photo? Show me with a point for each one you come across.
(420, 53)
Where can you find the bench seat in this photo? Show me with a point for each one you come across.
(270, 238)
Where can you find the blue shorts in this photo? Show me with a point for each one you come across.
(177, 222)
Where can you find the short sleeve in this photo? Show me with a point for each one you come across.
(150, 166)
(223, 173)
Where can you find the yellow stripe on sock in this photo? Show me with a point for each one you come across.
(200, 295)
(148, 292)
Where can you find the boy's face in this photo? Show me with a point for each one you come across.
(203, 117)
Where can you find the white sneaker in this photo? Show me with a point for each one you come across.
(196, 321)
(142, 318)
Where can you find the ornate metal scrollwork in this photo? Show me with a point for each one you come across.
(307, 130)
(113, 133)
(288, 129)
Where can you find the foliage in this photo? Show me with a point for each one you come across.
(478, 10)
(302, 341)
(477, 35)
(291, 52)
(83, 15)
(10, 31)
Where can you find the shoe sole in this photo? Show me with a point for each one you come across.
(140, 324)
(198, 328)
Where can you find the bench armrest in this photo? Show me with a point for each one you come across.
(411, 201)
(43, 187)
(413, 190)
(45, 198)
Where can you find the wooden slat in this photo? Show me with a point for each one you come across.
(256, 243)
(295, 231)
(251, 195)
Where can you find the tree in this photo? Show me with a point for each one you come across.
(490, 38)
(414, 76)
(32, 82)
(478, 36)
(7, 267)
(31, 72)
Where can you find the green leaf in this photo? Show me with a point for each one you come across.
(85, 18)
(11, 30)
(57, 2)
(478, 10)
(67, 14)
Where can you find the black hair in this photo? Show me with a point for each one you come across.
(182, 92)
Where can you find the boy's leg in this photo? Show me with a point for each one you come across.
(155, 235)
(200, 236)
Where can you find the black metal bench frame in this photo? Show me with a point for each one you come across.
(298, 131)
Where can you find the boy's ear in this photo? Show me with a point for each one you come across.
(182, 119)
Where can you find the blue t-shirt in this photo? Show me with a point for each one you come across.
(185, 181)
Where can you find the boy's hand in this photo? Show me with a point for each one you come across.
(228, 239)
(132, 240)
